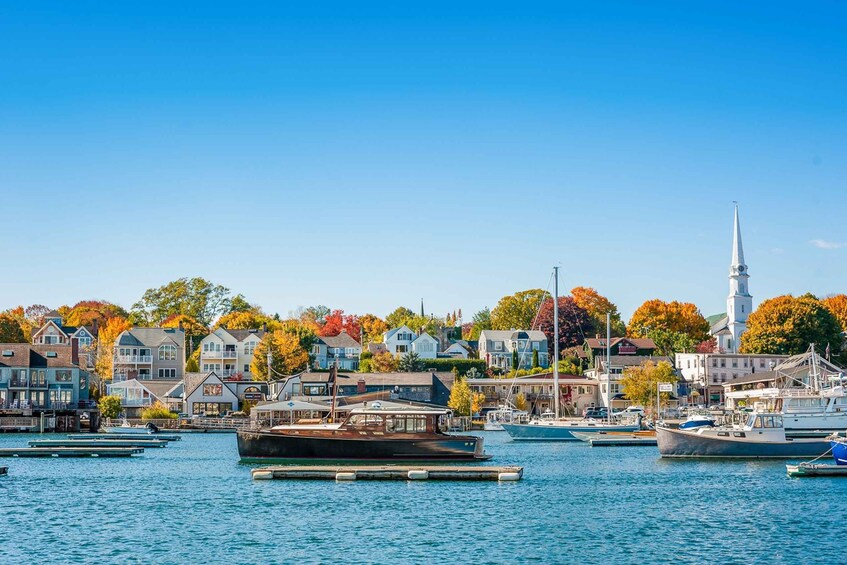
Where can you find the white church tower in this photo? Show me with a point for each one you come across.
(739, 303)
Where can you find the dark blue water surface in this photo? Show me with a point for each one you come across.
(193, 502)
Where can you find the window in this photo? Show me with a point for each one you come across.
(761, 363)
(213, 390)
(167, 353)
(250, 347)
(167, 373)
(498, 346)
(402, 348)
(63, 376)
(742, 306)
(246, 368)
(689, 363)
(316, 349)
(714, 362)
(735, 363)
(723, 362)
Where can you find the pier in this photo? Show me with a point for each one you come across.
(389, 473)
(133, 442)
(159, 437)
(609, 441)
(70, 451)
(816, 470)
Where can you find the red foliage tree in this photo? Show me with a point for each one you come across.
(574, 323)
(337, 321)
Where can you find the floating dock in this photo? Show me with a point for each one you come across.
(390, 473)
(608, 441)
(70, 451)
(134, 442)
(160, 437)
(816, 470)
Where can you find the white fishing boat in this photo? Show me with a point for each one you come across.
(126, 428)
(504, 414)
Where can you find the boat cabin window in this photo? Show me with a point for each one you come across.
(405, 424)
(366, 421)
(767, 421)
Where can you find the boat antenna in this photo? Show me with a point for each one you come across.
(556, 341)
(333, 376)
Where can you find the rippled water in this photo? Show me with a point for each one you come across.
(192, 502)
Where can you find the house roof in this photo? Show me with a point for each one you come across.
(720, 325)
(507, 335)
(639, 342)
(160, 387)
(52, 314)
(632, 360)
(26, 355)
(241, 335)
(423, 378)
(753, 378)
(151, 337)
(377, 348)
(341, 340)
(193, 380)
(425, 337)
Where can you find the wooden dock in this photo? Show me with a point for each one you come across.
(134, 442)
(160, 437)
(816, 470)
(70, 451)
(389, 473)
(621, 441)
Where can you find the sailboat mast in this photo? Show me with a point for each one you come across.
(556, 342)
(609, 365)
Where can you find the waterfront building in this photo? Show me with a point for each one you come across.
(577, 392)
(402, 340)
(54, 331)
(424, 386)
(341, 351)
(728, 329)
(149, 353)
(210, 394)
(608, 378)
(711, 371)
(229, 352)
(595, 347)
(36, 379)
(496, 347)
(136, 395)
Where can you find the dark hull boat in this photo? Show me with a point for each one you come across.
(762, 438)
(367, 434)
(839, 450)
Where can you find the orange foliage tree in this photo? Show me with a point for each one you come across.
(676, 317)
(837, 305)
(337, 321)
(105, 343)
(597, 307)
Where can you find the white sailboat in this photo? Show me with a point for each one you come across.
(556, 428)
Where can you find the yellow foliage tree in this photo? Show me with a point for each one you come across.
(521, 402)
(384, 363)
(244, 320)
(518, 310)
(640, 383)
(287, 356)
(477, 400)
(837, 305)
(787, 325)
(679, 317)
(460, 398)
(372, 328)
(157, 411)
(597, 307)
(105, 345)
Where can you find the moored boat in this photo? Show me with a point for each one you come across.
(495, 419)
(562, 430)
(367, 434)
(127, 428)
(696, 421)
(762, 436)
(839, 450)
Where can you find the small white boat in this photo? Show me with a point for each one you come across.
(127, 428)
(495, 419)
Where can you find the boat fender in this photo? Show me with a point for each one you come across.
(261, 474)
(418, 474)
(345, 476)
(508, 476)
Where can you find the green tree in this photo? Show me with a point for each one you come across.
(240, 304)
(10, 330)
(460, 397)
(640, 383)
(192, 365)
(787, 325)
(670, 343)
(515, 360)
(518, 310)
(481, 321)
(569, 366)
(110, 406)
(287, 356)
(410, 363)
(535, 358)
(195, 297)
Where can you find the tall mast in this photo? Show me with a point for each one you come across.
(609, 364)
(556, 342)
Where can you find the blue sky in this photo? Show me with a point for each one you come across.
(364, 157)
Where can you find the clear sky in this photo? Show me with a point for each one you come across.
(365, 156)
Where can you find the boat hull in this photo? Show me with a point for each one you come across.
(140, 430)
(839, 452)
(688, 444)
(275, 445)
(557, 431)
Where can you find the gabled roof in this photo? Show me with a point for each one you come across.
(639, 342)
(341, 340)
(241, 335)
(26, 355)
(506, 335)
(387, 335)
(52, 314)
(151, 337)
(423, 337)
(719, 326)
(377, 348)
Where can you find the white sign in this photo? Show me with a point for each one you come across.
(665, 387)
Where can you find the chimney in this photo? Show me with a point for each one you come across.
(180, 325)
(264, 326)
(75, 351)
(360, 386)
(95, 329)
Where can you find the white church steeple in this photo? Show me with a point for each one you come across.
(739, 303)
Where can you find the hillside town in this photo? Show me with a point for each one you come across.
(189, 350)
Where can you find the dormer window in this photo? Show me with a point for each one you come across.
(167, 352)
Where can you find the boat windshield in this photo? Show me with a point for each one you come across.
(365, 421)
(405, 423)
(759, 421)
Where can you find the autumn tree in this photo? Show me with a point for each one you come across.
(640, 383)
(681, 317)
(89, 312)
(195, 297)
(517, 311)
(35, 314)
(384, 362)
(18, 314)
(103, 367)
(574, 323)
(312, 316)
(10, 330)
(481, 321)
(837, 305)
(787, 325)
(597, 306)
(460, 397)
(287, 356)
(337, 321)
(245, 321)
(110, 406)
(372, 328)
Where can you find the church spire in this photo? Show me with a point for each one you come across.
(737, 248)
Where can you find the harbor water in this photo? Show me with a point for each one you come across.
(193, 502)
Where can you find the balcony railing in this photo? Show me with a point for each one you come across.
(136, 402)
(219, 354)
(133, 359)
